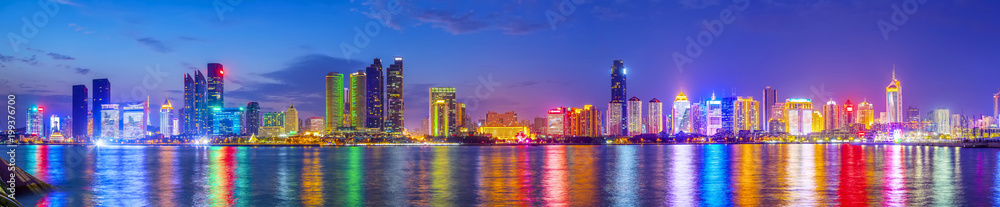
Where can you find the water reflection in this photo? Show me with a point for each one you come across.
(674, 175)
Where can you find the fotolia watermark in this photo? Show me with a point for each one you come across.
(362, 38)
(153, 78)
(484, 91)
(566, 8)
(704, 39)
(29, 28)
(899, 17)
(223, 6)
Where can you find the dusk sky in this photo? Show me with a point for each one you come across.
(278, 52)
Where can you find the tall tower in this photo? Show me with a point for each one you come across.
(713, 113)
(394, 96)
(894, 100)
(618, 120)
(831, 115)
(681, 115)
(201, 122)
(996, 107)
(654, 117)
(746, 114)
(443, 112)
(768, 107)
(849, 115)
(252, 119)
(634, 116)
(334, 101)
(866, 114)
(214, 94)
(292, 120)
(375, 115)
(166, 118)
(79, 112)
(188, 112)
(359, 103)
(102, 95)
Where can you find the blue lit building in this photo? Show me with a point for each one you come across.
(617, 109)
(227, 121)
(375, 116)
(102, 95)
(728, 114)
(79, 126)
(251, 119)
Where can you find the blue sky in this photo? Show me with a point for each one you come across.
(277, 52)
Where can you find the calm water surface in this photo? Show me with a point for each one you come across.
(650, 175)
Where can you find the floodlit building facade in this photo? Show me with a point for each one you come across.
(634, 117)
(799, 116)
(681, 114)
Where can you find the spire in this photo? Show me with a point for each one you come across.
(893, 71)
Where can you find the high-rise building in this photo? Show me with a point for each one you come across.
(251, 120)
(359, 103)
(35, 124)
(188, 115)
(778, 122)
(292, 121)
(375, 115)
(134, 119)
(894, 100)
(494, 119)
(334, 102)
(315, 124)
(913, 114)
(729, 114)
(227, 121)
(110, 123)
(746, 114)
(681, 114)
(634, 116)
(654, 117)
(201, 111)
(166, 118)
(443, 112)
(831, 115)
(770, 99)
(996, 106)
(713, 113)
(942, 119)
(849, 115)
(101, 96)
(799, 116)
(557, 122)
(80, 109)
(272, 124)
(866, 114)
(618, 120)
(818, 121)
(394, 96)
(214, 91)
(590, 122)
(698, 116)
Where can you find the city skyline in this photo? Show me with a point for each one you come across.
(861, 54)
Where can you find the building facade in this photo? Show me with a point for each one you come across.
(635, 124)
(291, 121)
(227, 121)
(394, 96)
(375, 111)
(654, 117)
(80, 110)
(334, 102)
(681, 115)
(746, 114)
(798, 114)
(894, 101)
(166, 118)
(101, 96)
(618, 118)
(443, 112)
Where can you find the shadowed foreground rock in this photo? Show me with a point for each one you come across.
(25, 184)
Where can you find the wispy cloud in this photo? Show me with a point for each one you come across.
(56, 56)
(82, 71)
(154, 44)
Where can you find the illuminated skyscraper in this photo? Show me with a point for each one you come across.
(778, 122)
(634, 116)
(35, 121)
(201, 123)
(714, 114)
(443, 112)
(866, 114)
(79, 112)
(102, 95)
(334, 102)
(746, 114)
(394, 96)
(681, 115)
(252, 119)
(166, 118)
(216, 83)
(894, 100)
(615, 114)
(590, 121)
(557, 122)
(831, 115)
(359, 103)
(942, 119)
(654, 117)
(849, 116)
(729, 114)
(272, 124)
(618, 121)
(292, 121)
(818, 121)
(799, 116)
(996, 106)
(375, 115)
(769, 100)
